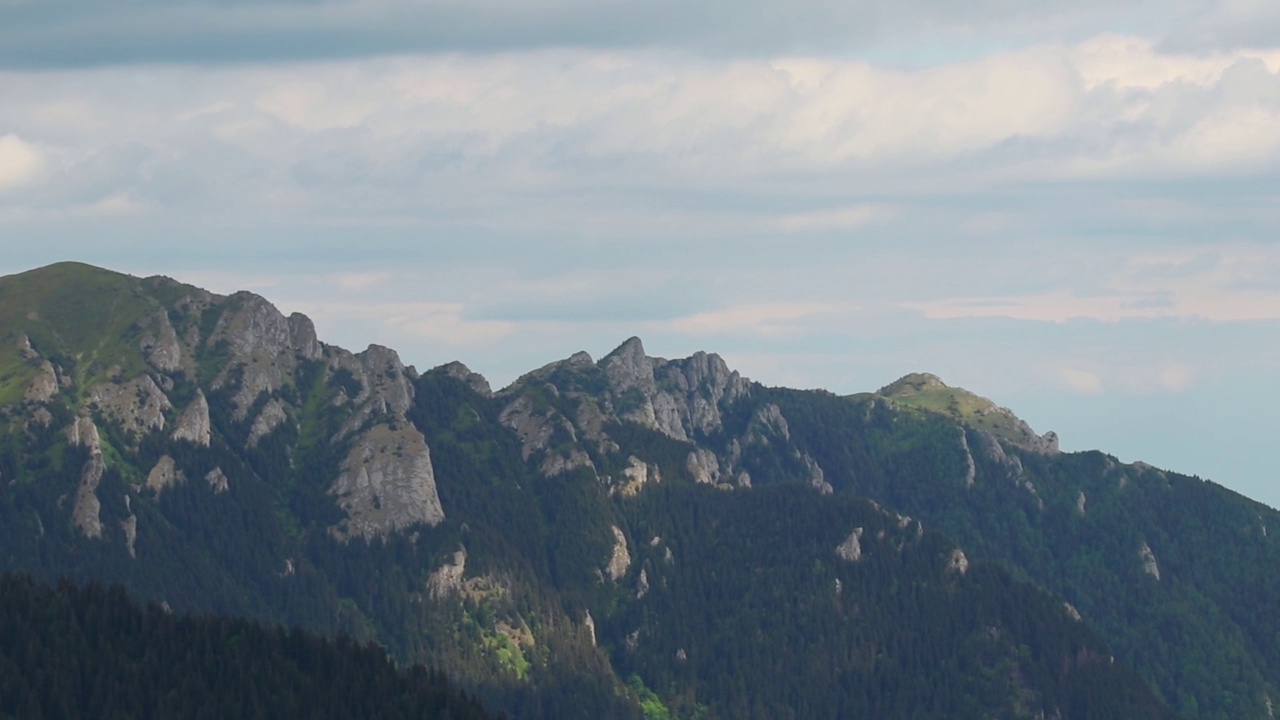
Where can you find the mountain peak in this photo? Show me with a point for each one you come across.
(631, 349)
(926, 391)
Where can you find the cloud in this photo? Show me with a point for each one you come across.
(768, 320)
(20, 162)
(1177, 378)
(1081, 381)
(1228, 283)
(439, 323)
(852, 217)
(640, 142)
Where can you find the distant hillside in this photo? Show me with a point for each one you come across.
(627, 537)
(73, 652)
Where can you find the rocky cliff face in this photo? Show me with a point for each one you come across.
(237, 358)
(387, 483)
(563, 414)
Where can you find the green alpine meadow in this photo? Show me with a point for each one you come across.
(624, 537)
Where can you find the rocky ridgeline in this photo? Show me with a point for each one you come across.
(251, 360)
(249, 356)
(561, 414)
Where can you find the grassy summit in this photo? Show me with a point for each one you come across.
(927, 392)
(82, 317)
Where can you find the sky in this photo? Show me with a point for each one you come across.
(1070, 208)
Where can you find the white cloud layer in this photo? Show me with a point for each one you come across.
(449, 138)
(19, 161)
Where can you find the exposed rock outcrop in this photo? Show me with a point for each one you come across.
(44, 386)
(386, 389)
(193, 426)
(474, 380)
(263, 348)
(817, 478)
(130, 527)
(217, 481)
(533, 429)
(138, 406)
(620, 558)
(589, 624)
(674, 397)
(1149, 564)
(272, 416)
(957, 562)
(571, 458)
(971, 469)
(851, 549)
(159, 342)
(446, 580)
(638, 473)
(387, 483)
(164, 475)
(86, 511)
(703, 466)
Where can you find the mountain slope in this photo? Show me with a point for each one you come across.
(622, 538)
(72, 652)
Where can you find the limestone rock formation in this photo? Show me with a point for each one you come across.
(851, 549)
(164, 475)
(193, 426)
(1149, 564)
(474, 380)
(385, 386)
(263, 348)
(138, 406)
(447, 579)
(386, 483)
(130, 527)
(638, 474)
(160, 343)
(620, 558)
(533, 429)
(272, 416)
(44, 386)
(217, 480)
(704, 466)
(957, 562)
(675, 397)
(85, 512)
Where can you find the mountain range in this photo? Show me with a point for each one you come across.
(620, 537)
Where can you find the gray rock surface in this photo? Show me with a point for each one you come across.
(620, 558)
(164, 475)
(217, 480)
(272, 416)
(704, 466)
(446, 580)
(851, 549)
(44, 386)
(1149, 564)
(474, 380)
(86, 510)
(138, 406)
(130, 527)
(386, 483)
(159, 343)
(193, 426)
(533, 429)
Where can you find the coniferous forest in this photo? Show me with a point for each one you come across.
(71, 652)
